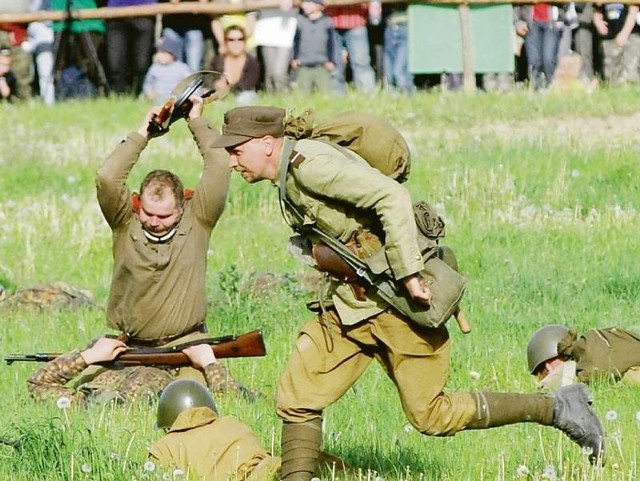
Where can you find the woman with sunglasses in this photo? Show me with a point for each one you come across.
(241, 69)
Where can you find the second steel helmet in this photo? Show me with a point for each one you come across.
(179, 396)
(543, 345)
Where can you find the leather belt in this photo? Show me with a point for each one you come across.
(133, 341)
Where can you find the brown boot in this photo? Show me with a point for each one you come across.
(300, 449)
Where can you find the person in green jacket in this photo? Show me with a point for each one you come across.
(558, 356)
(341, 194)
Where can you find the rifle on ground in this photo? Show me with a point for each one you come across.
(250, 344)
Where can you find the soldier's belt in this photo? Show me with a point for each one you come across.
(136, 342)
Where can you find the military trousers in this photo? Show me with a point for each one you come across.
(329, 358)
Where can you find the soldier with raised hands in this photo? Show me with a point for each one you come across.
(160, 241)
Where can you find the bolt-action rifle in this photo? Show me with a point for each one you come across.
(250, 344)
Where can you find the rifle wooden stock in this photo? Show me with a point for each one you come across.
(250, 344)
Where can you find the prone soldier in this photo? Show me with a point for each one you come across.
(558, 356)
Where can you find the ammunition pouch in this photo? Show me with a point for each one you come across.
(447, 288)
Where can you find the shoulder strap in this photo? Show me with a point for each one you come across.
(286, 161)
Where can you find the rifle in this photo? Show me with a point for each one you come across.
(250, 344)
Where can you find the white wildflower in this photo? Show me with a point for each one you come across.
(611, 415)
(379, 478)
(71, 179)
(177, 473)
(549, 472)
(638, 416)
(86, 468)
(522, 471)
(475, 375)
(408, 428)
(575, 173)
(587, 450)
(149, 466)
(63, 402)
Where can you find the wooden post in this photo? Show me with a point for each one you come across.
(468, 69)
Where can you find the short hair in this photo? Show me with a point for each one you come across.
(157, 181)
(235, 28)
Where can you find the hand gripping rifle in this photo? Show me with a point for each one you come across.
(250, 344)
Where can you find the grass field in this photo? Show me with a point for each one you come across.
(540, 194)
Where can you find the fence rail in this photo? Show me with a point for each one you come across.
(222, 8)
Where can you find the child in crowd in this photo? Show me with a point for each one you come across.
(313, 48)
(166, 71)
(7, 78)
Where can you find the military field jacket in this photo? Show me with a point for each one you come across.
(342, 194)
(158, 289)
(214, 448)
(602, 353)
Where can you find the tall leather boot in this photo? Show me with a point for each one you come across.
(568, 409)
(300, 449)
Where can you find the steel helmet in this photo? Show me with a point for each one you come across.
(179, 396)
(543, 345)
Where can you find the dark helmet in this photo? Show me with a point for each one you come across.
(543, 345)
(179, 396)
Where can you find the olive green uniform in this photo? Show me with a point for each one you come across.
(158, 289)
(603, 353)
(347, 198)
(98, 384)
(212, 448)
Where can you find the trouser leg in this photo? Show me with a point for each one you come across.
(500, 409)
(300, 449)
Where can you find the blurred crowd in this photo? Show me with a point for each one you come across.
(310, 47)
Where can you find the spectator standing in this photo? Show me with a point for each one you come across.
(350, 23)
(541, 27)
(395, 59)
(166, 71)
(130, 44)
(620, 41)
(190, 29)
(276, 45)
(77, 70)
(583, 39)
(247, 21)
(241, 69)
(7, 78)
(13, 36)
(314, 48)
(41, 38)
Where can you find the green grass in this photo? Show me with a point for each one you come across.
(541, 197)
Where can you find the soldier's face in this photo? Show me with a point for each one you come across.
(252, 159)
(158, 214)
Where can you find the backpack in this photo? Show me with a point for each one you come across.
(384, 148)
(372, 138)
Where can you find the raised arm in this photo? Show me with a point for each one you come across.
(114, 196)
(211, 193)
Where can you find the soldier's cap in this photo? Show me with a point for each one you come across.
(245, 123)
